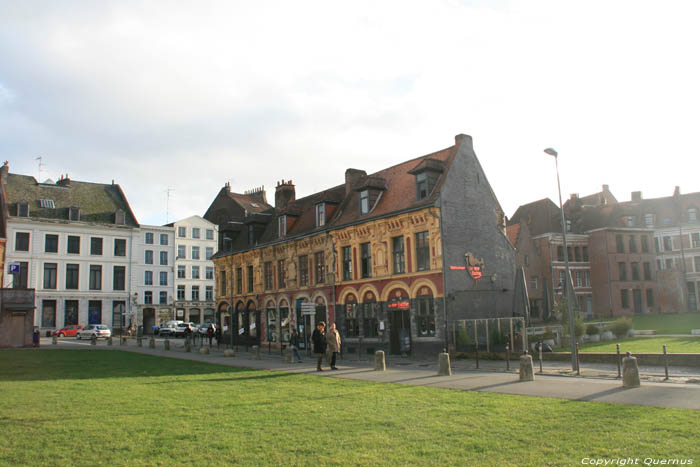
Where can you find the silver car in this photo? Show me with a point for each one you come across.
(97, 330)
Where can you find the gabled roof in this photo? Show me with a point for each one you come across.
(394, 188)
(541, 216)
(98, 202)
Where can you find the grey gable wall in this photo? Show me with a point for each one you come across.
(470, 219)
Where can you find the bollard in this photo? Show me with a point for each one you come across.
(444, 368)
(54, 340)
(288, 355)
(188, 347)
(578, 364)
(256, 352)
(379, 361)
(166, 344)
(619, 374)
(139, 341)
(204, 350)
(630, 372)
(476, 348)
(665, 363)
(109, 341)
(152, 343)
(507, 357)
(540, 357)
(93, 340)
(527, 371)
(123, 341)
(229, 353)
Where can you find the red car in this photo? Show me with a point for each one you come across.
(69, 331)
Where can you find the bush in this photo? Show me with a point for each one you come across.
(463, 337)
(621, 327)
(578, 326)
(592, 330)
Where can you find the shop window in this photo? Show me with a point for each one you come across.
(352, 323)
(70, 316)
(272, 331)
(370, 322)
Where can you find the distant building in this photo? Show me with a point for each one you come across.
(625, 257)
(153, 276)
(72, 241)
(196, 241)
(390, 257)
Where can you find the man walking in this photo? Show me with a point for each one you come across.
(319, 340)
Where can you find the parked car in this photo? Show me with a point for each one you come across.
(545, 347)
(68, 331)
(168, 330)
(182, 327)
(204, 328)
(97, 330)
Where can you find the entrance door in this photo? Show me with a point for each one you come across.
(637, 295)
(149, 320)
(400, 332)
(17, 330)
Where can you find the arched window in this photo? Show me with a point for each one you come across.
(284, 320)
(370, 312)
(352, 323)
(252, 320)
(425, 312)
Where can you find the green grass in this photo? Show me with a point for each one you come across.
(643, 345)
(672, 323)
(89, 407)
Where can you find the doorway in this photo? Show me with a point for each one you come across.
(400, 326)
(149, 320)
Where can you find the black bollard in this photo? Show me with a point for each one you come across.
(665, 362)
(507, 357)
(619, 369)
(578, 364)
(540, 347)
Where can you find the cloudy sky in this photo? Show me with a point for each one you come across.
(190, 95)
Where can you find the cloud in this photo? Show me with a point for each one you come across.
(191, 95)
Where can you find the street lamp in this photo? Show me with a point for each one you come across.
(568, 283)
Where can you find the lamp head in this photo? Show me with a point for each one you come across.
(551, 152)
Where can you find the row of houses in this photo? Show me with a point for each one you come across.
(626, 257)
(392, 257)
(79, 247)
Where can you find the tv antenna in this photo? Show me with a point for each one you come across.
(41, 166)
(168, 193)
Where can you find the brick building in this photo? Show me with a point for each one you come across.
(626, 257)
(390, 257)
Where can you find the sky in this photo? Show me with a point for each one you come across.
(181, 97)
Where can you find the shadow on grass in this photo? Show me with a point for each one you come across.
(228, 380)
(58, 364)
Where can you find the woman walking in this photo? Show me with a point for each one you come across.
(333, 341)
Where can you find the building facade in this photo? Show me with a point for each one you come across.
(390, 257)
(196, 241)
(153, 276)
(71, 241)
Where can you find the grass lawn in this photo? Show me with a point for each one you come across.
(644, 345)
(673, 323)
(88, 407)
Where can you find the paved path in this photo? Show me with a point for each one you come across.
(423, 373)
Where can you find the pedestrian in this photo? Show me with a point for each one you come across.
(319, 340)
(210, 334)
(294, 344)
(333, 341)
(218, 337)
(35, 337)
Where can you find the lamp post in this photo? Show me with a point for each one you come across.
(568, 283)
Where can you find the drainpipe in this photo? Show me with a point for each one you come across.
(438, 205)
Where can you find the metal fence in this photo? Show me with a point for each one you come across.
(487, 335)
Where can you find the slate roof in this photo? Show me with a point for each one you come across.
(98, 202)
(542, 216)
(396, 188)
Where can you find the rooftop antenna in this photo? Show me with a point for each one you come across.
(41, 166)
(168, 192)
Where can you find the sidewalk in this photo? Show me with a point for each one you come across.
(423, 373)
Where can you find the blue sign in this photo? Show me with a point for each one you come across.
(14, 268)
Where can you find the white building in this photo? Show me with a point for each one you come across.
(153, 278)
(195, 242)
(72, 242)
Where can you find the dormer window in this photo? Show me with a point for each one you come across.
(421, 186)
(320, 215)
(649, 220)
(74, 213)
(692, 215)
(23, 209)
(427, 174)
(364, 202)
(282, 226)
(120, 217)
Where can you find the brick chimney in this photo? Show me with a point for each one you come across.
(63, 181)
(284, 194)
(677, 191)
(4, 170)
(353, 179)
(636, 196)
(258, 194)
